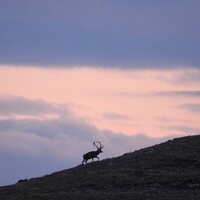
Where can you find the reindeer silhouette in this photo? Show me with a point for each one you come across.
(93, 154)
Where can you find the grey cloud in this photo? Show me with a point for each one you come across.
(168, 93)
(128, 34)
(20, 165)
(188, 77)
(72, 130)
(10, 105)
(171, 120)
(52, 145)
(34, 147)
(183, 129)
(192, 107)
(182, 77)
(115, 116)
(183, 93)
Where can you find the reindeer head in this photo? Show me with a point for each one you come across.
(100, 147)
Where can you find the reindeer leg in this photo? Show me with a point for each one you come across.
(83, 161)
(98, 158)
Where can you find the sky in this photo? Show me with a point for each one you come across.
(126, 73)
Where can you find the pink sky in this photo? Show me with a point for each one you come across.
(124, 101)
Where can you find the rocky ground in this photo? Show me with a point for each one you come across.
(170, 170)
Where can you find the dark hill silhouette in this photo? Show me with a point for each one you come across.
(170, 170)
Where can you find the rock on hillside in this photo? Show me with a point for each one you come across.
(170, 170)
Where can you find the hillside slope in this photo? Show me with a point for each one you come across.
(170, 170)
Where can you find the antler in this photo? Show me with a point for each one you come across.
(100, 145)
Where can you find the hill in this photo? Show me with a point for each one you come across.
(170, 170)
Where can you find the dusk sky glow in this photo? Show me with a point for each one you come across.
(126, 73)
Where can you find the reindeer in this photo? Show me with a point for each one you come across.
(93, 154)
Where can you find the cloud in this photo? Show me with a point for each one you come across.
(115, 116)
(167, 93)
(59, 143)
(181, 77)
(181, 93)
(34, 147)
(15, 105)
(192, 107)
(183, 129)
(128, 34)
(64, 134)
(171, 120)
